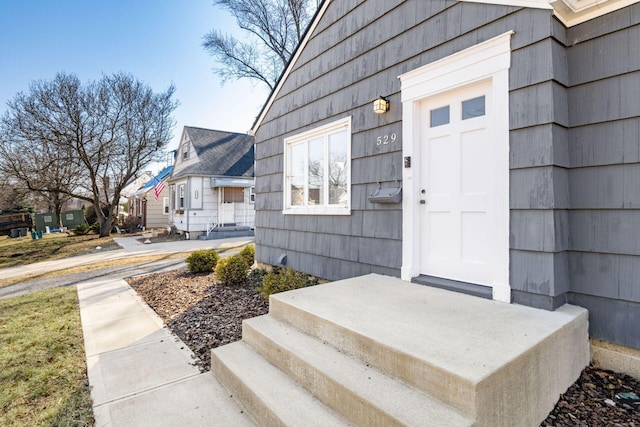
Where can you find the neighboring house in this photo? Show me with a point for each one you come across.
(212, 184)
(136, 184)
(150, 204)
(127, 193)
(512, 131)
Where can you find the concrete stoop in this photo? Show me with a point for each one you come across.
(227, 232)
(377, 351)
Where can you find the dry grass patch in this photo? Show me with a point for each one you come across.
(43, 378)
(121, 262)
(25, 250)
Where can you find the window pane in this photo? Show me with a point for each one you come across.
(338, 168)
(233, 195)
(316, 171)
(440, 116)
(296, 180)
(473, 108)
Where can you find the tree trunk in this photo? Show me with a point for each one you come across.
(104, 218)
(57, 209)
(105, 225)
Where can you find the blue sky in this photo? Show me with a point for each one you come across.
(157, 41)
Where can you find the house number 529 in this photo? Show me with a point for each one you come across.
(386, 139)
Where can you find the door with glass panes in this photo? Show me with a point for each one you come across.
(458, 186)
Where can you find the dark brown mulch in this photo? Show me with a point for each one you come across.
(598, 399)
(205, 315)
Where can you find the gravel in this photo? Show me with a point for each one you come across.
(206, 315)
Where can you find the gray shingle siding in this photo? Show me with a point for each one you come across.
(574, 123)
(604, 179)
(352, 51)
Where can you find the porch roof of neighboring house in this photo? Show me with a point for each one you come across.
(130, 189)
(219, 153)
(161, 176)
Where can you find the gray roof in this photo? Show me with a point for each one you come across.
(220, 153)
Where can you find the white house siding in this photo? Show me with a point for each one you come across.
(177, 216)
(181, 162)
(196, 220)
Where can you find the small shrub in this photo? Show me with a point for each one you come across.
(285, 279)
(255, 278)
(95, 227)
(130, 224)
(248, 253)
(81, 229)
(202, 261)
(232, 271)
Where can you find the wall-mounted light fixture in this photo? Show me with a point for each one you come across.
(380, 105)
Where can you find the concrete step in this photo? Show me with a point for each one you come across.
(496, 363)
(227, 232)
(364, 394)
(266, 393)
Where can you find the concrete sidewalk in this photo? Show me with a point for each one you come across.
(139, 372)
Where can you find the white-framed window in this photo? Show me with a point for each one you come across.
(181, 196)
(165, 206)
(185, 151)
(317, 176)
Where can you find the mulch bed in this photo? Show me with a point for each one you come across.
(598, 399)
(206, 315)
(203, 314)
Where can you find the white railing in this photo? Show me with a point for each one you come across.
(213, 223)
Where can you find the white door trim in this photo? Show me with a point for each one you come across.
(489, 60)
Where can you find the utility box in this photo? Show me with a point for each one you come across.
(44, 220)
(72, 219)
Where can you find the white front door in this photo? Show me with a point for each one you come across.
(455, 206)
(457, 211)
(226, 205)
(227, 213)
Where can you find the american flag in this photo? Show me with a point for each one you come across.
(158, 189)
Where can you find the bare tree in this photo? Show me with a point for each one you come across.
(12, 197)
(274, 27)
(31, 153)
(98, 136)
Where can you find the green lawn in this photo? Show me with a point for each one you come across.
(25, 250)
(42, 361)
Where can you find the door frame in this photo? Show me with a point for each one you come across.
(225, 208)
(486, 61)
